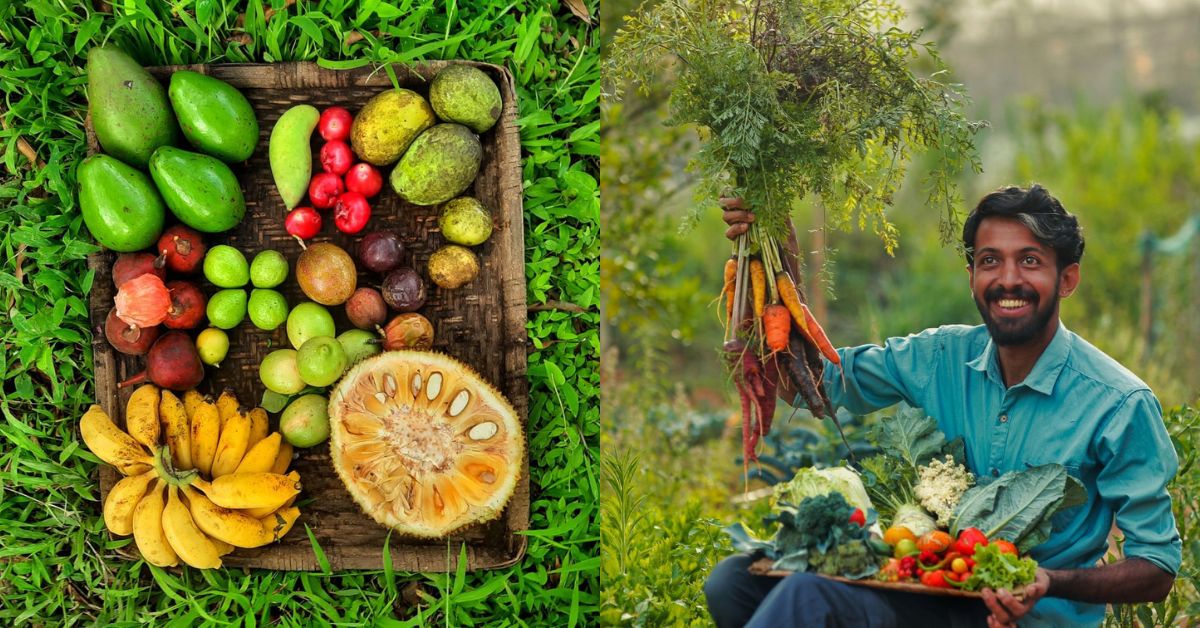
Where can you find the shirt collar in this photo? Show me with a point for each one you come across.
(1044, 374)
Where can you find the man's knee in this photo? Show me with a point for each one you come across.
(731, 591)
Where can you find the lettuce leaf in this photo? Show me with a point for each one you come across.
(1018, 505)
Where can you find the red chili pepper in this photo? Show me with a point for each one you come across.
(858, 517)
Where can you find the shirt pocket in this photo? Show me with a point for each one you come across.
(1065, 518)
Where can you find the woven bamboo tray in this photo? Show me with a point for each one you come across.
(482, 324)
(762, 567)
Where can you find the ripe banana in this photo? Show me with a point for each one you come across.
(136, 468)
(223, 548)
(227, 405)
(283, 459)
(260, 426)
(261, 457)
(141, 415)
(109, 443)
(123, 499)
(249, 490)
(231, 526)
(235, 433)
(191, 400)
(188, 541)
(148, 529)
(259, 513)
(176, 429)
(277, 524)
(206, 432)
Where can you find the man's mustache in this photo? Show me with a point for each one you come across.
(1024, 294)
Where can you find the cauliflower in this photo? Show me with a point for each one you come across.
(940, 485)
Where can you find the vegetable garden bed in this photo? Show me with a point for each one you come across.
(482, 324)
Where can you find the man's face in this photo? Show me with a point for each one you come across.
(1016, 282)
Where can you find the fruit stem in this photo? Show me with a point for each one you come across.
(166, 470)
(132, 381)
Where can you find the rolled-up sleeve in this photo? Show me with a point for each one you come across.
(880, 376)
(1137, 461)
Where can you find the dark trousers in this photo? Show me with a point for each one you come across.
(737, 598)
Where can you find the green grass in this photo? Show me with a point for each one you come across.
(59, 566)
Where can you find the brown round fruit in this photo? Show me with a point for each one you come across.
(408, 331)
(404, 290)
(326, 274)
(366, 309)
(423, 444)
(453, 266)
(126, 338)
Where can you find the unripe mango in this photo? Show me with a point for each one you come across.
(214, 116)
(200, 190)
(129, 108)
(119, 203)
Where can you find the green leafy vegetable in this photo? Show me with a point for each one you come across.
(810, 482)
(910, 435)
(1018, 505)
(999, 570)
(908, 439)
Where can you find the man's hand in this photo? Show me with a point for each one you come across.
(1006, 609)
(737, 215)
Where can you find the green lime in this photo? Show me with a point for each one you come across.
(268, 308)
(268, 270)
(226, 267)
(321, 361)
(278, 372)
(213, 345)
(905, 547)
(308, 320)
(305, 422)
(227, 308)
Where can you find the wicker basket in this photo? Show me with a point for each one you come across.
(482, 324)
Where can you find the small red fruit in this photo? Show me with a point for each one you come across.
(324, 190)
(336, 157)
(858, 517)
(352, 212)
(143, 301)
(303, 223)
(364, 179)
(126, 338)
(334, 124)
(182, 249)
(133, 265)
(187, 305)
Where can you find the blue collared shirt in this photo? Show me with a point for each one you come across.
(1077, 407)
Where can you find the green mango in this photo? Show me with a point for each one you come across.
(464, 94)
(439, 165)
(119, 203)
(200, 190)
(214, 116)
(130, 113)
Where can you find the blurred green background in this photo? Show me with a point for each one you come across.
(1097, 101)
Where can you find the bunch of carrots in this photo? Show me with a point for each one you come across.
(770, 334)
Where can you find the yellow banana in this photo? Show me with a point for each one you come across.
(259, 513)
(191, 400)
(109, 443)
(136, 468)
(283, 459)
(231, 526)
(141, 415)
(176, 429)
(261, 457)
(188, 541)
(249, 490)
(223, 548)
(260, 425)
(148, 529)
(206, 432)
(235, 433)
(278, 524)
(123, 499)
(227, 405)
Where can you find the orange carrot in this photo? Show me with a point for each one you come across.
(819, 338)
(728, 290)
(758, 283)
(791, 298)
(777, 323)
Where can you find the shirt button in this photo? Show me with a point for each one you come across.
(995, 472)
(1004, 418)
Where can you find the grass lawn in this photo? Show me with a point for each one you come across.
(60, 566)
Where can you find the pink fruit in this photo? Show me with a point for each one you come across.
(352, 213)
(143, 301)
(324, 190)
(334, 124)
(303, 223)
(336, 157)
(364, 179)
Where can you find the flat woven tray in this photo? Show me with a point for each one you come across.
(762, 567)
(482, 324)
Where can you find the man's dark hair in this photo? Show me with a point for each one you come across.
(1035, 208)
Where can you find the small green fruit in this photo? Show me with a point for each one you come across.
(213, 345)
(290, 154)
(226, 267)
(359, 344)
(279, 373)
(309, 320)
(305, 422)
(464, 94)
(268, 308)
(269, 269)
(465, 221)
(227, 308)
(321, 361)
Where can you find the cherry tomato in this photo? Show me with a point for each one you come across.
(324, 189)
(958, 565)
(335, 124)
(1005, 547)
(858, 517)
(303, 222)
(364, 179)
(351, 213)
(336, 157)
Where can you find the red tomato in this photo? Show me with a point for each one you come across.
(936, 579)
(1005, 547)
(858, 517)
(968, 539)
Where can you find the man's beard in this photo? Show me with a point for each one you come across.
(1010, 332)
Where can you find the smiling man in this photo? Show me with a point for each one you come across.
(1021, 390)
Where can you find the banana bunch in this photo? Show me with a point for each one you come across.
(201, 476)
